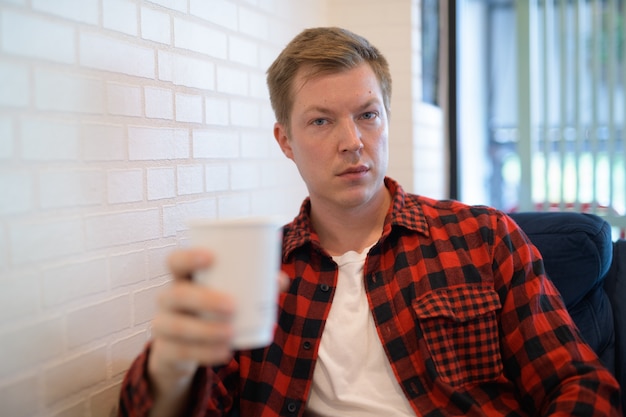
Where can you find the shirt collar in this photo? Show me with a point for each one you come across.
(405, 211)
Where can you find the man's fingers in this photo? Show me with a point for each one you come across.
(188, 338)
(183, 263)
(194, 299)
(191, 329)
(184, 357)
(283, 281)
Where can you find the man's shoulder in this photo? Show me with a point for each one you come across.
(453, 216)
(432, 207)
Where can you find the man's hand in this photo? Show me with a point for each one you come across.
(192, 328)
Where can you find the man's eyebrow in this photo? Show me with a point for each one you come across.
(370, 102)
(324, 110)
(317, 109)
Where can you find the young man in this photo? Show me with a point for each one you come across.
(395, 304)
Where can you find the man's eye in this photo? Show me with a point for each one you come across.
(319, 122)
(369, 115)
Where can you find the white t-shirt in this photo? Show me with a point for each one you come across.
(352, 376)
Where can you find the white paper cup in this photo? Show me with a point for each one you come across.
(246, 264)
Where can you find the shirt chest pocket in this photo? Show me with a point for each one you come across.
(460, 328)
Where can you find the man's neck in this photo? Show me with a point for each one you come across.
(341, 229)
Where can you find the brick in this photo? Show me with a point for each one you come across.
(189, 108)
(86, 324)
(190, 179)
(17, 397)
(109, 54)
(216, 177)
(276, 153)
(72, 281)
(161, 183)
(35, 37)
(258, 87)
(124, 99)
(256, 144)
(112, 229)
(267, 54)
(253, 24)
(175, 217)
(125, 350)
(14, 85)
(244, 176)
(243, 51)
(147, 143)
(17, 192)
(66, 92)
(234, 205)
(219, 12)
(245, 113)
(128, 268)
(79, 10)
(103, 142)
(20, 296)
(159, 103)
(215, 144)
(279, 203)
(157, 261)
(47, 139)
(30, 345)
(280, 173)
(70, 188)
(155, 26)
(180, 5)
(186, 71)
(267, 119)
(74, 375)
(232, 81)
(45, 239)
(103, 403)
(145, 304)
(125, 185)
(120, 15)
(198, 38)
(7, 147)
(217, 111)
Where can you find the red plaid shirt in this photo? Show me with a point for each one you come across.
(467, 318)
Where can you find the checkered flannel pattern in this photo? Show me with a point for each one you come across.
(468, 320)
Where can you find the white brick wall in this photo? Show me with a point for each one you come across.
(49, 139)
(119, 121)
(115, 54)
(14, 84)
(159, 103)
(37, 37)
(155, 25)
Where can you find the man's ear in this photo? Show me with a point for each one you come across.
(280, 134)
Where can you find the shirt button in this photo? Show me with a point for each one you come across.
(306, 345)
(292, 407)
(324, 287)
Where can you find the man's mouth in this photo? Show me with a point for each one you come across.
(355, 170)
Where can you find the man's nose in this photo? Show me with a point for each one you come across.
(350, 137)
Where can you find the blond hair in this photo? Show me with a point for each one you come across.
(322, 50)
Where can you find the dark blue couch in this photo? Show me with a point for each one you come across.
(589, 269)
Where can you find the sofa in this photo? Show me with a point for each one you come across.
(589, 269)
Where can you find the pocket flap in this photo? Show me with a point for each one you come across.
(459, 304)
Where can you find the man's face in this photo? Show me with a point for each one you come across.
(338, 136)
